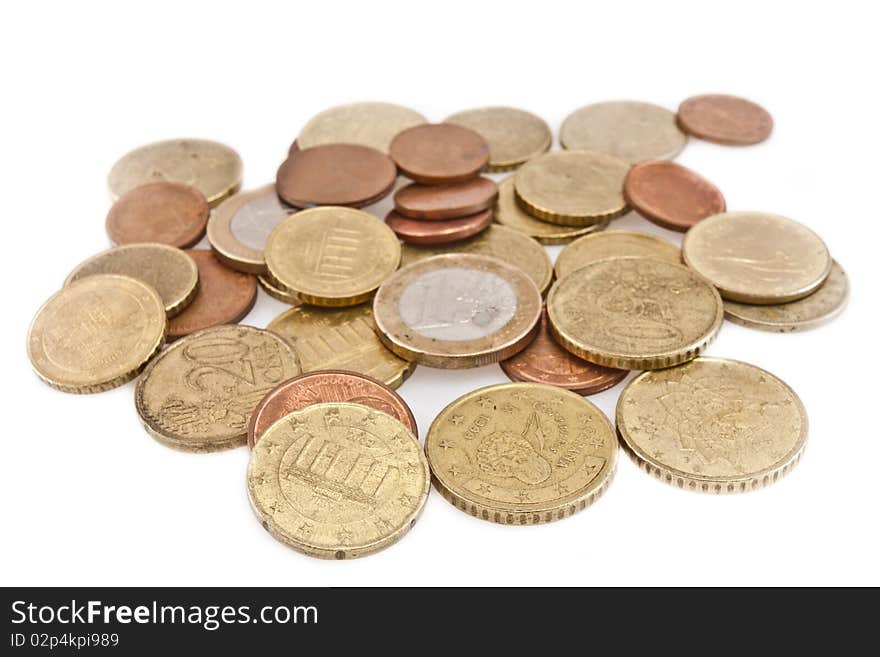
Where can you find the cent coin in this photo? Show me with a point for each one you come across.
(440, 153)
(725, 119)
(446, 201)
(614, 244)
(164, 212)
(367, 124)
(513, 135)
(438, 231)
(277, 293)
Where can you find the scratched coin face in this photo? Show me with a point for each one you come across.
(614, 244)
(521, 453)
(367, 124)
(712, 425)
(338, 480)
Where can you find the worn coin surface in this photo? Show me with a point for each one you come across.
(172, 272)
(757, 257)
(634, 313)
(212, 168)
(514, 135)
(521, 453)
(457, 310)
(614, 244)
(446, 201)
(629, 130)
(199, 393)
(277, 293)
(438, 231)
(338, 480)
(440, 153)
(97, 333)
(725, 119)
(369, 124)
(712, 425)
(165, 212)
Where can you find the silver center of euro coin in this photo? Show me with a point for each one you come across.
(254, 220)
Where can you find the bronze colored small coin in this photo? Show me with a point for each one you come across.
(446, 201)
(572, 188)
(164, 212)
(224, 296)
(725, 119)
(438, 231)
(670, 195)
(335, 174)
(712, 425)
(369, 124)
(96, 334)
(457, 310)
(757, 257)
(199, 393)
(614, 244)
(277, 293)
(514, 135)
(544, 361)
(327, 386)
(440, 153)
(173, 274)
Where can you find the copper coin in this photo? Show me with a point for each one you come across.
(438, 231)
(725, 119)
(335, 174)
(439, 153)
(224, 296)
(446, 201)
(671, 195)
(544, 361)
(164, 212)
(327, 386)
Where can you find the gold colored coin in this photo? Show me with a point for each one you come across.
(572, 188)
(634, 313)
(712, 425)
(521, 453)
(96, 334)
(369, 124)
(614, 244)
(340, 339)
(514, 135)
(331, 256)
(338, 480)
(173, 273)
(277, 293)
(199, 393)
(757, 257)
(499, 242)
(212, 168)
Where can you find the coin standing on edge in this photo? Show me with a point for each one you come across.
(446, 201)
(614, 244)
(514, 135)
(725, 119)
(438, 231)
(164, 212)
(368, 124)
(439, 153)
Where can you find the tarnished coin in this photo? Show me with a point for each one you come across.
(446, 201)
(368, 124)
(224, 296)
(725, 119)
(521, 453)
(457, 310)
(670, 195)
(821, 306)
(629, 130)
(572, 188)
(164, 212)
(438, 231)
(340, 339)
(712, 425)
(173, 274)
(614, 244)
(331, 256)
(439, 153)
(757, 257)
(96, 334)
(634, 313)
(514, 135)
(199, 393)
(212, 168)
(327, 386)
(277, 293)
(338, 480)
(239, 227)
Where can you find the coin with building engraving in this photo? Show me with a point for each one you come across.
(514, 135)
(369, 124)
(614, 244)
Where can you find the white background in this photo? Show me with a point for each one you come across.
(89, 498)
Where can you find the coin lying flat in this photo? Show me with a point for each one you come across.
(199, 393)
(173, 274)
(757, 257)
(514, 135)
(277, 293)
(439, 153)
(712, 425)
(629, 130)
(446, 201)
(212, 168)
(97, 333)
(614, 244)
(725, 119)
(634, 313)
(457, 310)
(367, 124)
(438, 231)
(163, 212)
(521, 453)
(338, 480)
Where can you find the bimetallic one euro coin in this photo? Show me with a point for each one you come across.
(712, 425)
(277, 293)
(514, 135)
(165, 212)
(97, 333)
(437, 231)
(725, 119)
(338, 480)
(521, 453)
(446, 201)
(634, 313)
(439, 153)
(757, 257)
(614, 244)
(369, 124)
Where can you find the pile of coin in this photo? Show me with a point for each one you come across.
(336, 468)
